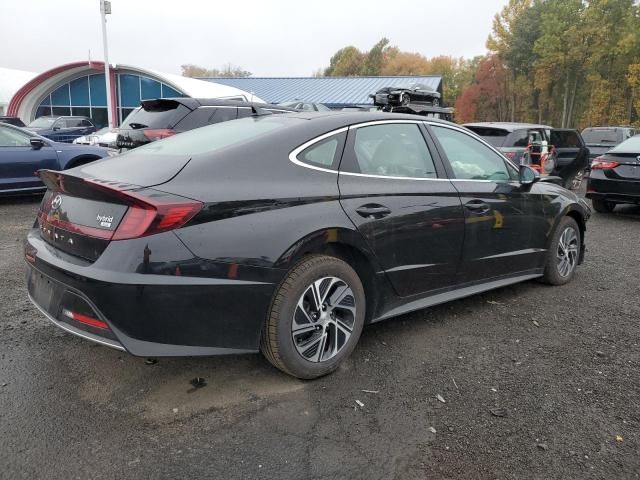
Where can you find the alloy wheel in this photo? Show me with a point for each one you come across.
(406, 99)
(567, 254)
(323, 319)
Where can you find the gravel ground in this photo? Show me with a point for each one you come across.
(533, 381)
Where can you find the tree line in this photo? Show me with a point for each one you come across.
(567, 63)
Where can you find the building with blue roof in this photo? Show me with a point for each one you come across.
(334, 92)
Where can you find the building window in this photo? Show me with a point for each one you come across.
(87, 96)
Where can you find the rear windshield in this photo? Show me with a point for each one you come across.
(600, 136)
(493, 136)
(631, 145)
(164, 114)
(215, 137)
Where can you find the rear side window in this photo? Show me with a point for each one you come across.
(493, 136)
(86, 123)
(518, 139)
(565, 139)
(157, 114)
(325, 153)
(74, 122)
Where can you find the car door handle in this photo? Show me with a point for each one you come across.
(477, 206)
(373, 210)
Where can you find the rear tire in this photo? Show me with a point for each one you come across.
(563, 254)
(306, 337)
(405, 99)
(602, 206)
(435, 102)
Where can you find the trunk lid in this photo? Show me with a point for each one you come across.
(80, 215)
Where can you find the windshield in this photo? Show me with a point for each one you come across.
(599, 136)
(631, 145)
(215, 137)
(43, 122)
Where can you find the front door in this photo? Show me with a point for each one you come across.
(504, 223)
(395, 192)
(19, 160)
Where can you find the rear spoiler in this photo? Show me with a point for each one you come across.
(82, 187)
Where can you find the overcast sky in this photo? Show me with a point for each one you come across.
(268, 37)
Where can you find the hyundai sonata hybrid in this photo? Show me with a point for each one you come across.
(287, 233)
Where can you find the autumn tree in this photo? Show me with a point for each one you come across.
(229, 70)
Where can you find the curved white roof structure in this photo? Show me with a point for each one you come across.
(29, 94)
(10, 82)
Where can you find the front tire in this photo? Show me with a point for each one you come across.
(602, 206)
(316, 318)
(563, 254)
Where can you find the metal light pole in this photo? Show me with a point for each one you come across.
(105, 9)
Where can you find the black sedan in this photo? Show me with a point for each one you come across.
(403, 96)
(615, 177)
(288, 233)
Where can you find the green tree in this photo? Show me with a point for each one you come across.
(346, 62)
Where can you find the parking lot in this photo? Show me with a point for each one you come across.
(525, 382)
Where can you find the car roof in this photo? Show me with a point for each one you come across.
(340, 118)
(63, 116)
(510, 126)
(193, 103)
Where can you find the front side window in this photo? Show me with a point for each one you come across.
(469, 158)
(565, 139)
(393, 150)
(13, 138)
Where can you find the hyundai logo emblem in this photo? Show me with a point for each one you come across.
(56, 203)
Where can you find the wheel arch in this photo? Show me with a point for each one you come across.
(346, 245)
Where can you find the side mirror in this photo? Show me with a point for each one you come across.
(36, 143)
(527, 175)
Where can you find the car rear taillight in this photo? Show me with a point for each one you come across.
(601, 163)
(150, 211)
(158, 133)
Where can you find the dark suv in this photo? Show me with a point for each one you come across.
(513, 139)
(164, 117)
(602, 139)
(62, 129)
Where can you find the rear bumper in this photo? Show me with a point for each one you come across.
(174, 316)
(619, 191)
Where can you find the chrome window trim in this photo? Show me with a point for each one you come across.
(293, 156)
(475, 137)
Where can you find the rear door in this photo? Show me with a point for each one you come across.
(504, 221)
(572, 154)
(19, 160)
(393, 189)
